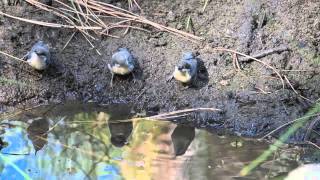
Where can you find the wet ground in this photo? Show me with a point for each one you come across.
(253, 100)
(98, 142)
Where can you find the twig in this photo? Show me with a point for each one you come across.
(265, 53)
(55, 125)
(286, 124)
(235, 61)
(67, 43)
(313, 144)
(94, 10)
(55, 25)
(255, 59)
(142, 92)
(13, 57)
(137, 4)
(294, 90)
(296, 70)
(151, 118)
(170, 115)
(205, 5)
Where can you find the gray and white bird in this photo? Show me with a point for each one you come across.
(39, 56)
(186, 70)
(122, 63)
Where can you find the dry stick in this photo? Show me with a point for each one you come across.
(313, 144)
(59, 12)
(77, 12)
(83, 14)
(103, 9)
(13, 57)
(186, 111)
(93, 47)
(137, 4)
(130, 4)
(97, 19)
(205, 5)
(237, 61)
(47, 24)
(92, 20)
(285, 77)
(170, 115)
(151, 118)
(314, 131)
(286, 124)
(67, 43)
(266, 53)
(119, 13)
(255, 59)
(118, 23)
(296, 70)
(55, 125)
(128, 26)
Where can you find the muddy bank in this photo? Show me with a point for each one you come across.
(253, 100)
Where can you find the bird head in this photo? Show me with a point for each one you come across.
(39, 56)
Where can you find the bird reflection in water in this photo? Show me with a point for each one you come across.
(38, 133)
(181, 137)
(119, 126)
(120, 132)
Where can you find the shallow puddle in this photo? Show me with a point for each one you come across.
(97, 142)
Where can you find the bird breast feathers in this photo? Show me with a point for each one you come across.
(37, 62)
(182, 77)
(121, 70)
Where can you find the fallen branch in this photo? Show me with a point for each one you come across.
(265, 53)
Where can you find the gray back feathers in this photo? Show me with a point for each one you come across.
(42, 49)
(189, 62)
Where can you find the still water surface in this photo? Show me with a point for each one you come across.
(97, 142)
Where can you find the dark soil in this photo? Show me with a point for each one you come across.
(253, 100)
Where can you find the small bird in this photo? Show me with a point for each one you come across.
(122, 63)
(186, 70)
(39, 57)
